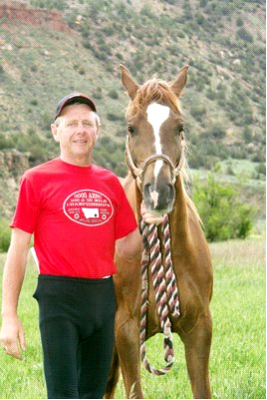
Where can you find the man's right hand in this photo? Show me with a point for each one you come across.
(12, 337)
(12, 332)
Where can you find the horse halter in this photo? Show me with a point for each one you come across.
(138, 172)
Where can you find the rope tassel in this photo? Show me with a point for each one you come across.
(164, 284)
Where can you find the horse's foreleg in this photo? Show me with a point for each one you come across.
(127, 342)
(197, 348)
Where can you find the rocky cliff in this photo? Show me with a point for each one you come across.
(12, 162)
(17, 11)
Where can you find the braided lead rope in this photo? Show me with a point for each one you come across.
(171, 287)
(166, 293)
(144, 306)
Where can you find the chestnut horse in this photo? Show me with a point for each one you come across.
(155, 156)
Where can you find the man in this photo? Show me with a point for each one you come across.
(78, 213)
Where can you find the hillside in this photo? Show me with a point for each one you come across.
(78, 45)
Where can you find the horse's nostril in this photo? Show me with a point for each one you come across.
(147, 189)
(151, 196)
(166, 195)
(147, 194)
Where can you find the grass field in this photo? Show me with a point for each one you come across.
(237, 366)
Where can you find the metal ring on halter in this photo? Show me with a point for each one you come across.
(139, 172)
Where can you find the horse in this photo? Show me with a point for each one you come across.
(155, 156)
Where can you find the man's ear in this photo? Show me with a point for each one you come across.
(98, 130)
(54, 129)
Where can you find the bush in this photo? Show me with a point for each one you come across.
(114, 117)
(198, 111)
(110, 154)
(261, 168)
(239, 22)
(217, 131)
(223, 214)
(5, 236)
(247, 134)
(245, 35)
(113, 94)
(58, 4)
(211, 94)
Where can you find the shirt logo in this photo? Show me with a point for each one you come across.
(88, 207)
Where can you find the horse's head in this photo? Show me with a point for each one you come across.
(155, 141)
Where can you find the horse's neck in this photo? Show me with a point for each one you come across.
(133, 194)
(179, 215)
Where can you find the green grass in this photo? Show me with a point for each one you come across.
(237, 365)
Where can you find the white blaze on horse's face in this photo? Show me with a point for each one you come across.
(156, 115)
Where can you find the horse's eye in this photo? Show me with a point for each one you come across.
(180, 130)
(131, 130)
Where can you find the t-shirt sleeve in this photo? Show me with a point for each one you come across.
(125, 219)
(27, 208)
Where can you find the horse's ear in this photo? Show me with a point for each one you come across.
(128, 82)
(179, 83)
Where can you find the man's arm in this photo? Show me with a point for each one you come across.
(12, 332)
(129, 246)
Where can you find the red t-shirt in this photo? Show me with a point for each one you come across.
(76, 214)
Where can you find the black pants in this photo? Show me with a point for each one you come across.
(77, 332)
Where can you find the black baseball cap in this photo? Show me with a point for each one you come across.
(74, 98)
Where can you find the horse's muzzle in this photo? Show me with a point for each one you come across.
(159, 198)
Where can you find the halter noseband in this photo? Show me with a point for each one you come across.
(138, 172)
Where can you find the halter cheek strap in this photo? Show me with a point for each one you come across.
(138, 172)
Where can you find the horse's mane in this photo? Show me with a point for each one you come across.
(153, 90)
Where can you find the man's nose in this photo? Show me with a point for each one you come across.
(81, 126)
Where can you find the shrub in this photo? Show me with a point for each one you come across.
(198, 111)
(261, 168)
(247, 134)
(6, 142)
(59, 4)
(223, 214)
(181, 34)
(5, 235)
(200, 19)
(147, 11)
(110, 154)
(211, 94)
(239, 22)
(245, 35)
(217, 131)
(97, 93)
(113, 94)
(114, 117)
(171, 1)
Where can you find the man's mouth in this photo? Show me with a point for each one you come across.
(80, 141)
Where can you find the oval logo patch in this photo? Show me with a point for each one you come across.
(88, 207)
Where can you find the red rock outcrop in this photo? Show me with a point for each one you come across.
(19, 12)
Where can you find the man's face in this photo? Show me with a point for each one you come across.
(77, 131)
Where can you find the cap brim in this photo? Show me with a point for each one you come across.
(71, 99)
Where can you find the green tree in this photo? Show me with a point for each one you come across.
(223, 214)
